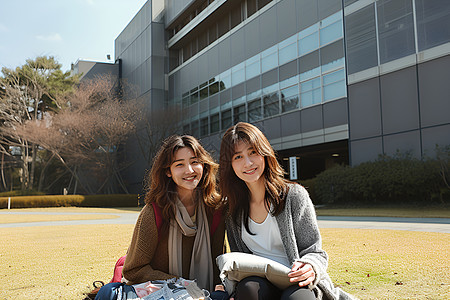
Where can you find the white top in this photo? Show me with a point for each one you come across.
(267, 240)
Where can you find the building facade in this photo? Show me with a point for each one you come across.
(327, 81)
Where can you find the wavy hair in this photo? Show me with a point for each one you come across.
(161, 189)
(233, 188)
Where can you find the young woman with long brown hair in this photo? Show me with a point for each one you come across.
(182, 184)
(271, 217)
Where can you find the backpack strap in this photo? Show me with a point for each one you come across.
(158, 218)
(217, 216)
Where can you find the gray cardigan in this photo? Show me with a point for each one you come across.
(301, 240)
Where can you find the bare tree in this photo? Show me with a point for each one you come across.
(86, 134)
(26, 94)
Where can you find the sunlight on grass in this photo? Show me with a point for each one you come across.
(389, 264)
(18, 218)
(52, 262)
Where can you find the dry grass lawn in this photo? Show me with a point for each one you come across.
(62, 262)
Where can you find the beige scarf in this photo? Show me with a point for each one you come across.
(201, 267)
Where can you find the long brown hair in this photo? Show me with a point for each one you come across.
(161, 189)
(235, 189)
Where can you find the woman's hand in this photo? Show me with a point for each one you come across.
(302, 273)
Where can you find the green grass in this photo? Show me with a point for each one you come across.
(62, 262)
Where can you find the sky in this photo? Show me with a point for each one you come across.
(66, 29)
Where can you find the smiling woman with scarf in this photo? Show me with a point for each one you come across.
(182, 187)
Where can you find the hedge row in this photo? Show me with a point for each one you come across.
(385, 181)
(117, 200)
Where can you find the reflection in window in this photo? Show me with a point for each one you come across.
(215, 124)
(239, 114)
(310, 92)
(254, 110)
(271, 104)
(289, 98)
(204, 126)
(226, 119)
(225, 81)
(334, 85)
(214, 88)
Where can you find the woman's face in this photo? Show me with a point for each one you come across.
(186, 170)
(247, 164)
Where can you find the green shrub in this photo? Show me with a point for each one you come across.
(310, 185)
(118, 200)
(20, 193)
(384, 181)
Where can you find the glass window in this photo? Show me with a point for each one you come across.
(254, 110)
(223, 26)
(332, 56)
(254, 95)
(252, 70)
(334, 85)
(309, 65)
(195, 128)
(194, 96)
(186, 99)
(203, 40)
(215, 124)
(204, 126)
(238, 74)
(395, 29)
(251, 7)
(204, 93)
(212, 31)
(361, 40)
(226, 119)
(214, 88)
(308, 40)
(331, 33)
(290, 98)
(310, 92)
(271, 104)
(239, 114)
(433, 23)
(269, 51)
(287, 42)
(288, 53)
(236, 15)
(225, 80)
(269, 62)
(289, 81)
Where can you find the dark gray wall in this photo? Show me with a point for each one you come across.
(407, 111)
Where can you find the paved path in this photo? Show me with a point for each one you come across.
(413, 224)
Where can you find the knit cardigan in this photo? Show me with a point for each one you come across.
(148, 255)
(301, 240)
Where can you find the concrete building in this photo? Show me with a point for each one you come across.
(327, 81)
